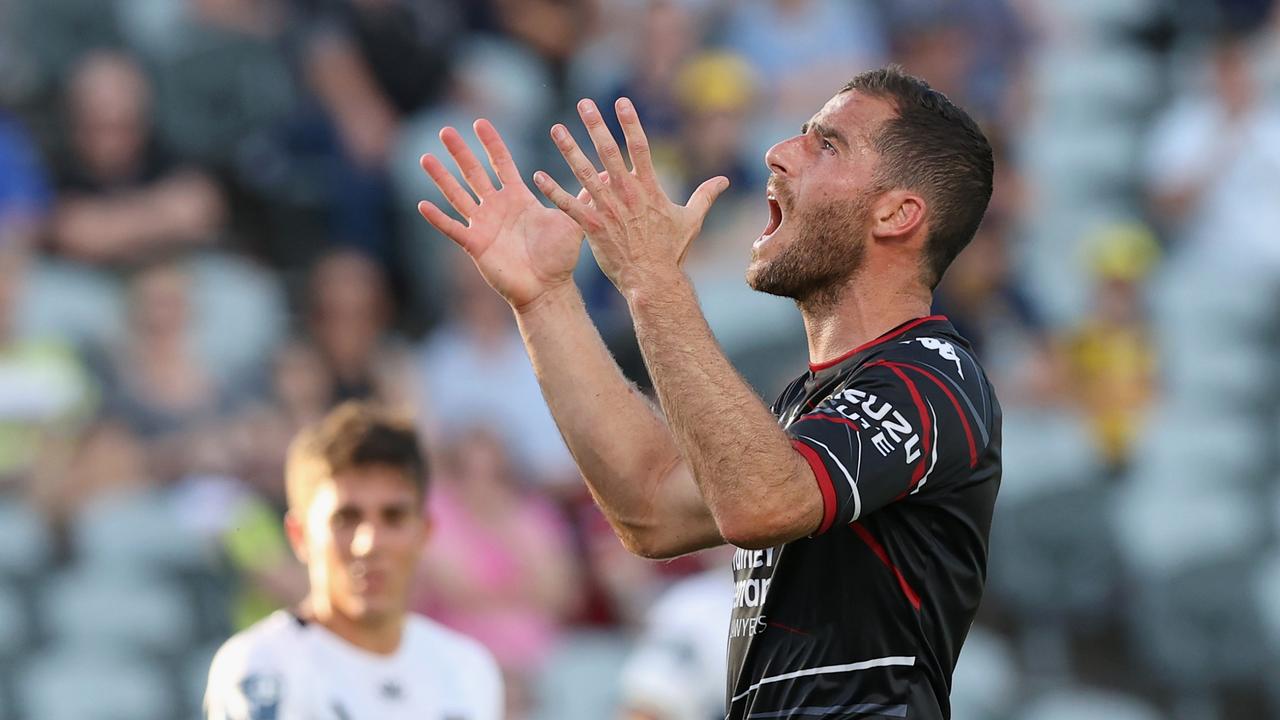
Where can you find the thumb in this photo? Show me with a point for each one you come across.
(702, 199)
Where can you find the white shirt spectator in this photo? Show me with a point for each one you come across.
(284, 668)
(679, 666)
(1236, 162)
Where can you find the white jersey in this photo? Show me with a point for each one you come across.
(284, 668)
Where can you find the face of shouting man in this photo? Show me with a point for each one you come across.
(820, 197)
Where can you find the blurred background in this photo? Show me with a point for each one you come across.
(208, 237)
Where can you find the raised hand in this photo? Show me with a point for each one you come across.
(634, 229)
(522, 248)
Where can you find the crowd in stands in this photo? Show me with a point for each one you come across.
(208, 237)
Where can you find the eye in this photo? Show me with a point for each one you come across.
(828, 147)
(395, 517)
(346, 518)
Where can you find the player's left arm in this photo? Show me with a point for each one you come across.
(759, 489)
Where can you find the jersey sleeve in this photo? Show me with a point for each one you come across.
(900, 428)
(245, 683)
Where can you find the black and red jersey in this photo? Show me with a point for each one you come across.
(866, 617)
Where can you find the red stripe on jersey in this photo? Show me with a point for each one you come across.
(824, 484)
(878, 549)
(925, 424)
(831, 418)
(964, 419)
(883, 338)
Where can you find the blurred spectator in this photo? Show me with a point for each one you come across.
(499, 567)
(348, 320)
(299, 392)
(554, 29)
(1213, 166)
(983, 299)
(105, 459)
(474, 371)
(44, 388)
(371, 64)
(24, 192)
(678, 666)
(715, 93)
(245, 522)
(669, 34)
(967, 49)
(1113, 354)
(159, 386)
(803, 50)
(120, 198)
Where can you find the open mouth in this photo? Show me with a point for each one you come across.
(775, 217)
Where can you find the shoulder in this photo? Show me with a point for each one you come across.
(934, 365)
(248, 675)
(441, 646)
(261, 644)
(943, 353)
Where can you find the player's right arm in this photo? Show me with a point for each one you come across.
(527, 253)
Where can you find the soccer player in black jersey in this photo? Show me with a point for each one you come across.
(861, 503)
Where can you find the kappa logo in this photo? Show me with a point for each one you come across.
(943, 348)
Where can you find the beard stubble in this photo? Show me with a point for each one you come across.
(827, 250)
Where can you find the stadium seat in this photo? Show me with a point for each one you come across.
(195, 677)
(233, 297)
(137, 530)
(15, 624)
(986, 679)
(114, 609)
(1054, 557)
(1154, 523)
(68, 685)
(1266, 588)
(1189, 445)
(1045, 450)
(1191, 551)
(25, 540)
(1079, 703)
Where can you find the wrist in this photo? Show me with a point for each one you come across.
(657, 287)
(556, 296)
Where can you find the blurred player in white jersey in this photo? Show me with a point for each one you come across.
(356, 486)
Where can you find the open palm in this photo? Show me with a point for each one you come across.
(522, 248)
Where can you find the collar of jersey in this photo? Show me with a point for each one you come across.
(890, 335)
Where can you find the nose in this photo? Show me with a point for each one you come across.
(365, 540)
(780, 158)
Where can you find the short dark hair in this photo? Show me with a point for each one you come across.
(353, 435)
(934, 147)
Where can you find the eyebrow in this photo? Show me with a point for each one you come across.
(825, 131)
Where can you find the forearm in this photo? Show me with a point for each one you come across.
(185, 209)
(759, 490)
(615, 434)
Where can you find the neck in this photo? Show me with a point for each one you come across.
(859, 314)
(381, 637)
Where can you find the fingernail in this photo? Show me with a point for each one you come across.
(539, 176)
(625, 104)
(558, 132)
(586, 106)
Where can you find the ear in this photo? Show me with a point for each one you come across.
(296, 531)
(898, 215)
